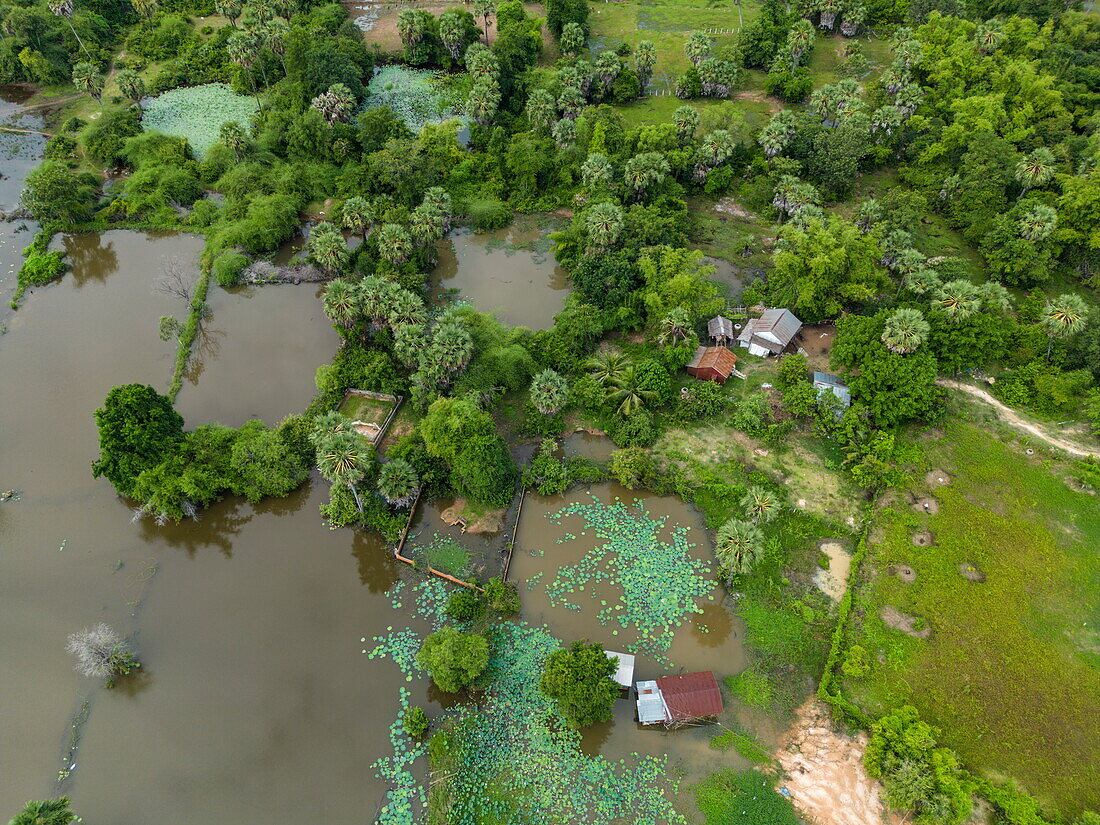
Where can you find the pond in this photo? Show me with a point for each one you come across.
(19, 153)
(509, 271)
(554, 538)
(256, 704)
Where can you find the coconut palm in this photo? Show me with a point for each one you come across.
(131, 85)
(959, 299)
(549, 392)
(327, 248)
(229, 9)
(738, 547)
(342, 458)
(1063, 317)
(697, 48)
(45, 812)
(645, 57)
(1037, 223)
(676, 325)
(394, 243)
(541, 110)
(627, 392)
(87, 79)
(358, 216)
(398, 482)
(760, 505)
(341, 303)
(603, 222)
(607, 366)
(64, 8)
(1035, 170)
(905, 330)
(686, 120)
(596, 170)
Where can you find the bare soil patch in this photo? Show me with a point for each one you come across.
(926, 504)
(937, 478)
(759, 97)
(924, 539)
(826, 778)
(816, 340)
(971, 572)
(904, 572)
(834, 581)
(897, 620)
(487, 523)
(728, 206)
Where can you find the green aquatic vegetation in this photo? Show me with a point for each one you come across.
(417, 96)
(659, 581)
(197, 113)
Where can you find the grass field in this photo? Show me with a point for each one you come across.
(1011, 670)
(367, 410)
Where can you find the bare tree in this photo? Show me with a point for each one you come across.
(101, 653)
(176, 280)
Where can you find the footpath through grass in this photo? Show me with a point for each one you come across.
(1006, 583)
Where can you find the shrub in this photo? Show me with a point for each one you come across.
(503, 597)
(41, 268)
(227, 268)
(415, 722)
(101, 653)
(633, 430)
(453, 659)
(632, 467)
(203, 213)
(488, 213)
(106, 137)
(579, 679)
(465, 605)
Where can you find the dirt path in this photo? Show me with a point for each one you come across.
(1013, 418)
(827, 781)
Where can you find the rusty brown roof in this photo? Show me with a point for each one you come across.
(692, 695)
(717, 358)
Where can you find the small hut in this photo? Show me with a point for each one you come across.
(675, 701)
(824, 382)
(712, 364)
(720, 330)
(624, 668)
(771, 333)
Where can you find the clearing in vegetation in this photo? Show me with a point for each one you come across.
(197, 113)
(1002, 580)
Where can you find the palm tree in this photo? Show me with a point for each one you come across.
(64, 8)
(425, 225)
(336, 104)
(760, 505)
(738, 547)
(989, 36)
(854, 16)
(1035, 170)
(374, 298)
(799, 40)
(131, 85)
(1038, 222)
(45, 812)
(645, 57)
(358, 216)
(326, 246)
(452, 33)
(87, 79)
(868, 214)
(1063, 317)
(398, 482)
(829, 10)
(604, 222)
(995, 296)
(437, 198)
(229, 9)
(905, 330)
(959, 299)
(909, 53)
(775, 136)
(405, 308)
(571, 40)
(326, 425)
(452, 347)
(243, 48)
(483, 101)
(394, 243)
(340, 303)
(676, 325)
(343, 459)
(686, 119)
(596, 170)
(921, 281)
(645, 170)
(541, 110)
(274, 33)
(564, 132)
(485, 9)
(549, 392)
(410, 26)
(627, 391)
(697, 48)
(607, 366)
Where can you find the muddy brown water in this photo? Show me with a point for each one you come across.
(19, 153)
(256, 704)
(510, 271)
(711, 640)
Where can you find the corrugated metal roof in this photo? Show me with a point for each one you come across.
(778, 325)
(825, 379)
(720, 326)
(624, 674)
(691, 696)
(719, 359)
(651, 707)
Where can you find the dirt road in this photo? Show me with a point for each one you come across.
(1010, 416)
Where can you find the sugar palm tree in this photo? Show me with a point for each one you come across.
(645, 170)
(800, 39)
(959, 299)
(921, 281)
(686, 120)
(326, 425)
(1038, 222)
(234, 138)
(676, 325)
(243, 49)
(604, 222)
(405, 308)
(995, 296)
(340, 303)
(541, 110)
(760, 505)
(1063, 316)
(989, 36)
(564, 132)
(738, 547)
(549, 392)
(86, 78)
(627, 392)
(343, 459)
(336, 104)
(571, 40)
(645, 57)
(437, 198)
(452, 347)
(394, 243)
(596, 170)
(358, 216)
(1035, 170)
(483, 101)
(327, 247)
(45, 812)
(607, 366)
(64, 8)
(485, 9)
(425, 225)
(410, 26)
(697, 48)
(131, 85)
(905, 330)
(229, 9)
(398, 482)
(373, 297)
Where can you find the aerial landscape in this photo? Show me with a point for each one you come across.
(628, 412)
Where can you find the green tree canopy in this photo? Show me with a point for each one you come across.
(453, 659)
(578, 679)
(138, 427)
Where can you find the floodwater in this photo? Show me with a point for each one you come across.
(710, 640)
(19, 153)
(510, 271)
(588, 445)
(255, 703)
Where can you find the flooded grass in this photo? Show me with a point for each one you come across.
(1010, 672)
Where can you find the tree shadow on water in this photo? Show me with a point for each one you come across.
(89, 259)
(216, 527)
(378, 569)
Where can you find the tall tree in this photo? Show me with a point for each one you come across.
(86, 78)
(138, 428)
(549, 392)
(342, 458)
(64, 10)
(1063, 317)
(131, 85)
(45, 812)
(578, 679)
(327, 247)
(905, 330)
(398, 482)
(738, 547)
